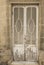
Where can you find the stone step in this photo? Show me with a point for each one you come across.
(24, 63)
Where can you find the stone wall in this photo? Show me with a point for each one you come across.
(42, 26)
(5, 24)
(5, 51)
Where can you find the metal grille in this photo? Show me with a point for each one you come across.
(24, 33)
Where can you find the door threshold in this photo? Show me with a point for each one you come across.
(24, 62)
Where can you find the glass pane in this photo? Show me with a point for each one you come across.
(18, 25)
(31, 50)
(31, 24)
(34, 21)
(34, 14)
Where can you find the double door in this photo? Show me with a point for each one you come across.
(25, 33)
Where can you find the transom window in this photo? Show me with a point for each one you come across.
(25, 33)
